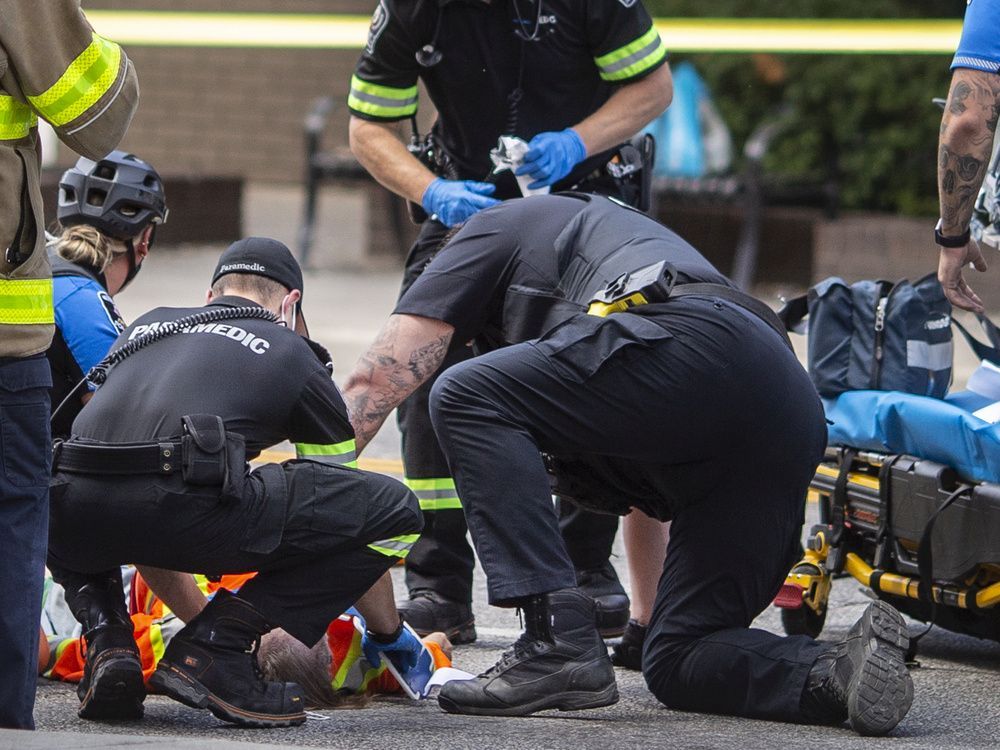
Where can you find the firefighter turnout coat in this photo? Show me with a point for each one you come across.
(55, 67)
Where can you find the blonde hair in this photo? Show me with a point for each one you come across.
(86, 245)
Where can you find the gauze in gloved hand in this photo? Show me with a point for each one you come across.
(454, 201)
(552, 156)
(403, 641)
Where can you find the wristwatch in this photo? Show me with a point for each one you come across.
(960, 240)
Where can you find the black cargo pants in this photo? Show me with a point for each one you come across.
(320, 535)
(711, 415)
(442, 560)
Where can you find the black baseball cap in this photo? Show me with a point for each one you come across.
(262, 256)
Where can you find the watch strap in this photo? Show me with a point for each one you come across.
(944, 240)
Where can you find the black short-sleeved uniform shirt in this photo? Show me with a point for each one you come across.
(264, 380)
(584, 49)
(569, 246)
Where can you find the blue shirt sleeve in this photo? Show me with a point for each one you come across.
(87, 318)
(979, 47)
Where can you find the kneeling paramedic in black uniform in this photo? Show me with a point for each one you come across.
(155, 473)
(573, 79)
(692, 405)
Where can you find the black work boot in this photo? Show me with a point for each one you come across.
(628, 653)
(610, 600)
(863, 678)
(212, 663)
(112, 686)
(559, 662)
(428, 612)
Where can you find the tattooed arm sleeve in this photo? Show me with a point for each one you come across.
(966, 143)
(406, 352)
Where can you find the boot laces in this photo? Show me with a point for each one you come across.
(520, 649)
(254, 648)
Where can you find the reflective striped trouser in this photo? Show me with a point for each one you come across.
(442, 560)
(319, 534)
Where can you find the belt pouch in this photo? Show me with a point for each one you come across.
(204, 450)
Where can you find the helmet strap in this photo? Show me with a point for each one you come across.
(133, 267)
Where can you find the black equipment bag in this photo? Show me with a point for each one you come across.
(876, 335)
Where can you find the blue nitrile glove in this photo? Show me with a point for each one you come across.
(552, 156)
(454, 201)
(403, 641)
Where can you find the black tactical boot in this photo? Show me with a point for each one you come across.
(428, 612)
(559, 662)
(112, 686)
(863, 678)
(628, 653)
(212, 663)
(610, 600)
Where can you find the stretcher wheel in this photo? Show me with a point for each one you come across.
(803, 621)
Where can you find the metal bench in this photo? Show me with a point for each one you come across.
(339, 165)
(753, 189)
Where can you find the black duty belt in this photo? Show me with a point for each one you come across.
(741, 299)
(137, 458)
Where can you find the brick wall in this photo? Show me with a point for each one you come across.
(233, 111)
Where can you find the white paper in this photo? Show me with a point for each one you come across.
(509, 154)
(989, 413)
(446, 674)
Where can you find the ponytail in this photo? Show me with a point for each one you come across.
(86, 245)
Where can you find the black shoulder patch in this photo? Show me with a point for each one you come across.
(111, 310)
(380, 19)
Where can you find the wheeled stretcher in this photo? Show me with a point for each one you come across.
(911, 530)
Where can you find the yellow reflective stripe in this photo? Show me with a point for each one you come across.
(635, 57)
(381, 101)
(351, 674)
(350, 663)
(448, 503)
(397, 546)
(435, 494)
(156, 642)
(56, 654)
(26, 302)
(340, 454)
(87, 79)
(202, 582)
(16, 118)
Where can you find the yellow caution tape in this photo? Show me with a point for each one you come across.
(381, 465)
(810, 35)
(313, 31)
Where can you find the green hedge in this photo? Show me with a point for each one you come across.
(870, 115)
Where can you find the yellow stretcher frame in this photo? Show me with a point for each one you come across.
(897, 585)
(810, 574)
(328, 31)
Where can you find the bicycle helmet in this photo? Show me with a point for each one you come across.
(119, 195)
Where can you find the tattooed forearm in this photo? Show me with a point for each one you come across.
(967, 130)
(406, 352)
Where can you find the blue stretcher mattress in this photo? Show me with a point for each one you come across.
(939, 430)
